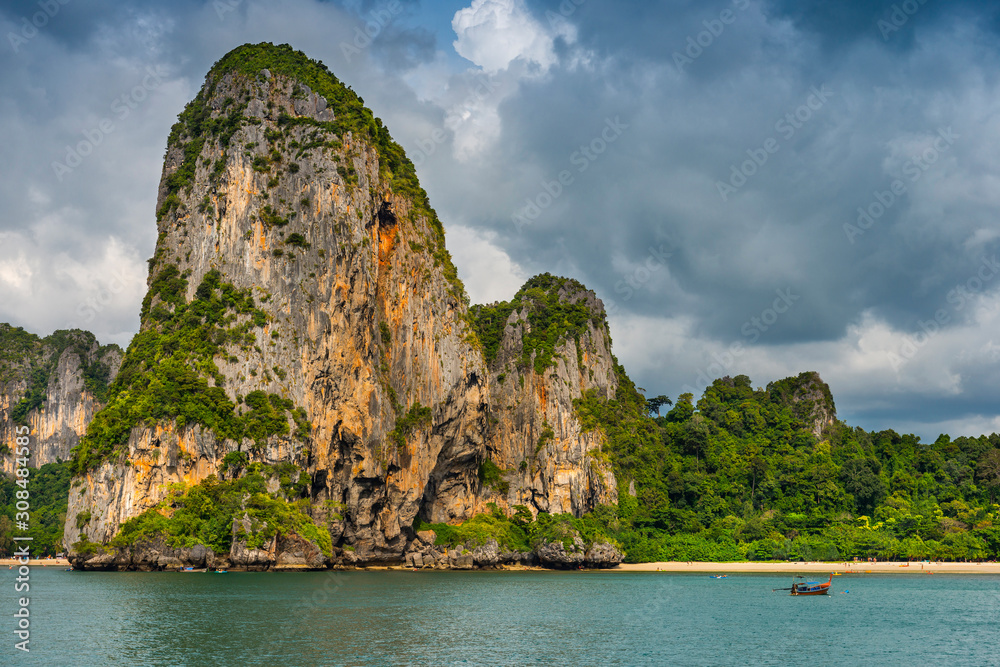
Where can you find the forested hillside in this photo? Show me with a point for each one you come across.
(740, 474)
(48, 489)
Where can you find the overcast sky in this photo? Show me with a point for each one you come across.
(752, 187)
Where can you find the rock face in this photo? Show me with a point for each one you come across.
(299, 262)
(559, 555)
(488, 555)
(603, 554)
(282, 553)
(550, 463)
(53, 386)
(147, 556)
(293, 201)
(809, 397)
(556, 554)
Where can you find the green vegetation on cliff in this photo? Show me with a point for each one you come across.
(552, 318)
(169, 371)
(16, 345)
(518, 532)
(204, 513)
(196, 124)
(491, 475)
(418, 416)
(804, 394)
(740, 475)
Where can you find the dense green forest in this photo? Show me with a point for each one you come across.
(741, 475)
(48, 493)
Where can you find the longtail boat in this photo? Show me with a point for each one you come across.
(809, 587)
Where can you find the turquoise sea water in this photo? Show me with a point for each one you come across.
(500, 618)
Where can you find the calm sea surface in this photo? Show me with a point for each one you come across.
(500, 618)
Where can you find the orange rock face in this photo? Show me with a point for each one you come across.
(364, 329)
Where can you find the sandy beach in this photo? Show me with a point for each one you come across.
(887, 567)
(36, 562)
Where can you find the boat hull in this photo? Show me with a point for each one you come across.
(812, 588)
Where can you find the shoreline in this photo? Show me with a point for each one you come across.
(695, 567)
(882, 567)
(36, 562)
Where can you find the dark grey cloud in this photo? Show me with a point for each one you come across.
(400, 50)
(784, 228)
(893, 22)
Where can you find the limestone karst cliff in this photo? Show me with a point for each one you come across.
(52, 385)
(546, 347)
(809, 397)
(304, 322)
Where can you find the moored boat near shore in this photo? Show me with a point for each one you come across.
(808, 587)
(812, 587)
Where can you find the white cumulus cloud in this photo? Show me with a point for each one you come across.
(494, 33)
(506, 43)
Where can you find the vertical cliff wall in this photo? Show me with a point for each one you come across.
(297, 260)
(52, 385)
(303, 311)
(547, 347)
